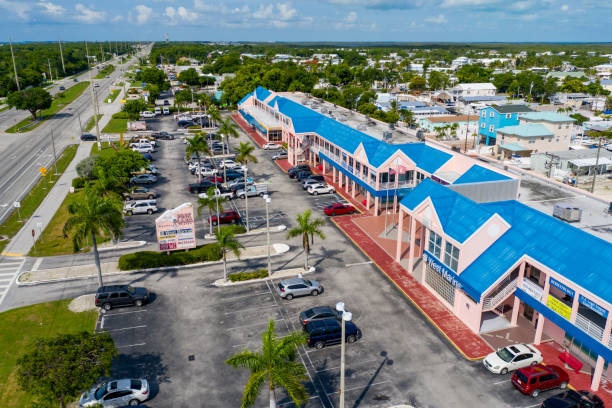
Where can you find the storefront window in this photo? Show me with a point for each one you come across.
(435, 244)
(451, 256)
(410, 176)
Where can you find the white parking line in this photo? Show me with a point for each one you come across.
(531, 406)
(501, 382)
(251, 308)
(128, 328)
(253, 325)
(358, 388)
(291, 402)
(124, 313)
(132, 345)
(239, 297)
(351, 363)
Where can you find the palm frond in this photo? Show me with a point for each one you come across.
(253, 388)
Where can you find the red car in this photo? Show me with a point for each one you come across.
(532, 380)
(339, 209)
(213, 179)
(227, 217)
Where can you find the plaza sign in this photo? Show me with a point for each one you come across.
(593, 306)
(437, 266)
(175, 228)
(562, 287)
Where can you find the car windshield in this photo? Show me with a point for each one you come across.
(505, 355)
(131, 289)
(100, 392)
(307, 282)
(309, 313)
(521, 377)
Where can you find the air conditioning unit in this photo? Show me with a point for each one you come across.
(387, 136)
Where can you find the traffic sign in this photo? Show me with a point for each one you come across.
(16, 204)
(43, 171)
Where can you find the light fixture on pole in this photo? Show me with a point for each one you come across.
(246, 196)
(267, 199)
(346, 317)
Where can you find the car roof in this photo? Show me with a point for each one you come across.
(111, 288)
(539, 369)
(292, 281)
(521, 348)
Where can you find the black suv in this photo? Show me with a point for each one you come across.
(295, 170)
(323, 332)
(196, 188)
(121, 295)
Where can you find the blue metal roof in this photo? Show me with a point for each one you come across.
(479, 174)
(262, 93)
(247, 96)
(460, 217)
(575, 254)
(527, 130)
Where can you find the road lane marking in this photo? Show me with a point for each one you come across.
(36, 264)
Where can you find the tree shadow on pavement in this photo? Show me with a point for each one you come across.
(148, 366)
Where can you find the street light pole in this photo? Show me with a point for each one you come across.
(246, 196)
(346, 317)
(267, 199)
(54, 155)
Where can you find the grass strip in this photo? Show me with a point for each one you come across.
(113, 95)
(92, 122)
(60, 101)
(5, 108)
(32, 200)
(19, 329)
(116, 126)
(106, 71)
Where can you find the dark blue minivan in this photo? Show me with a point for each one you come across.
(321, 333)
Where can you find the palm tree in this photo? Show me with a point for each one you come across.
(244, 155)
(228, 128)
(93, 214)
(307, 228)
(196, 145)
(212, 203)
(214, 115)
(275, 364)
(227, 242)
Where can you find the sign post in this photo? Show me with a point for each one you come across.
(34, 239)
(17, 205)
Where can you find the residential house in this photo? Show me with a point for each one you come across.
(475, 89)
(435, 122)
(495, 117)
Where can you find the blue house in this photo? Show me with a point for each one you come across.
(495, 117)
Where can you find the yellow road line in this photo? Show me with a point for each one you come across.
(10, 254)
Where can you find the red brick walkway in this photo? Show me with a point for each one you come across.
(467, 343)
(248, 129)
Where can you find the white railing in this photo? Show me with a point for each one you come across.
(590, 328)
(610, 342)
(491, 302)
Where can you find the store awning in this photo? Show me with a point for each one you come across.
(513, 147)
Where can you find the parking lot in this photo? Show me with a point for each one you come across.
(180, 341)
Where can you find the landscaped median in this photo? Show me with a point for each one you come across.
(92, 122)
(60, 101)
(106, 71)
(112, 268)
(261, 275)
(113, 95)
(37, 194)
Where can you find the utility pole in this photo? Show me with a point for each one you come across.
(596, 165)
(54, 154)
(551, 160)
(62, 55)
(93, 98)
(467, 129)
(50, 73)
(101, 53)
(14, 66)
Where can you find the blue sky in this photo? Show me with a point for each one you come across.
(308, 20)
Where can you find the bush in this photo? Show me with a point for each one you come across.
(152, 259)
(244, 276)
(78, 182)
(85, 167)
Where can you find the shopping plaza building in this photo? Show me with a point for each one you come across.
(461, 231)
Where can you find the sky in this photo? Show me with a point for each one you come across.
(308, 20)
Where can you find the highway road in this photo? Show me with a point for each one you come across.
(23, 154)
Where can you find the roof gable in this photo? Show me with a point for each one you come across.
(479, 174)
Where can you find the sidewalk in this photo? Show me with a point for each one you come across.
(21, 243)
(470, 345)
(260, 141)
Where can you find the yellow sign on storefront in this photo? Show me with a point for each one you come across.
(559, 307)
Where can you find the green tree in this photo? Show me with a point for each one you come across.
(183, 97)
(229, 129)
(276, 364)
(59, 368)
(154, 92)
(214, 115)
(189, 76)
(417, 83)
(438, 80)
(226, 241)
(116, 166)
(133, 107)
(473, 73)
(152, 76)
(608, 103)
(196, 144)
(85, 168)
(92, 214)
(212, 203)
(32, 100)
(307, 229)
(573, 85)
(407, 116)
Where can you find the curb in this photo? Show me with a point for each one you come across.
(135, 244)
(280, 250)
(278, 228)
(228, 284)
(409, 298)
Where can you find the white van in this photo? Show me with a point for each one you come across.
(147, 114)
(157, 110)
(166, 110)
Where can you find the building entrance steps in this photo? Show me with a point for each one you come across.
(470, 345)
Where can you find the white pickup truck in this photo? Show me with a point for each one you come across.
(258, 189)
(224, 193)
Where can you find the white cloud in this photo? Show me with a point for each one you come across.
(144, 14)
(264, 12)
(439, 19)
(468, 3)
(180, 14)
(381, 4)
(285, 11)
(564, 7)
(21, 9)
(89, 16)
(117, 19)
(351, 17)
(51, 9)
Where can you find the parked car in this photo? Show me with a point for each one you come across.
(205, 171)
(88, 137)
(143, 179)
(318, 313)
(166, 110)
(116, 393)
(258, 189)
(62, 88)
(139, 193)
(165, 136)
(302, 175)
(228, 163)
(157, 111)
(108, 297)
(96, 85)
(147, 114)
(75, 80)
(231, 174)
(226, 217)
(272, 146)
(317, 189)
(290, 288)
(535, 379)
(144, 149)
(142, 144)
(339, 209)
(317, 177)
(147, 156)
(309, 182)
(140, 207)
(321, 333)
(197, 188)
(166, 103)
(152, 169)
(293, 172)
(220, 192)
(280, 155)
(185, 123)
(214, 178)
(512, 358)
(574, 399)
(238, 183)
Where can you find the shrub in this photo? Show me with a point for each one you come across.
(244, 276)
(78, 182)
(85, 167)
(152, 259)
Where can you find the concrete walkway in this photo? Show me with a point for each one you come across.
(21, 243)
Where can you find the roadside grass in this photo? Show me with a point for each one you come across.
(19, 328)
(113, 95)
(92, 122)
(94, 148)
(136, 84)
(116, 126)
(60, 101)
(106, 71)
(52, 241)
(5, 108)
(32, 200)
